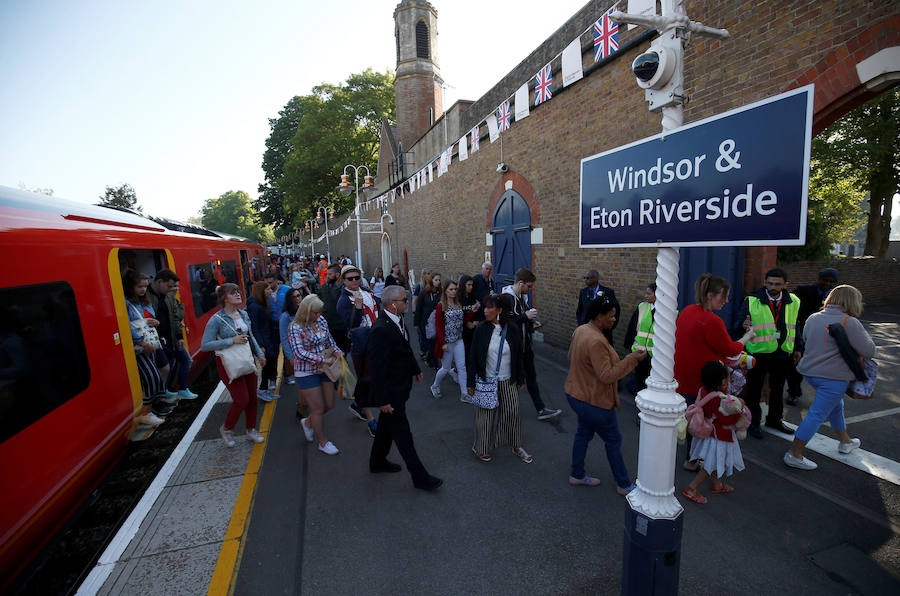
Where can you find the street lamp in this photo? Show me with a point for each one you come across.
(326, 213)
(653, 517)
(311, 226)
(346, 188)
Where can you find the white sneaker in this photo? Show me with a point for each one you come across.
(846, 448)
(801, 463)
(289, 380)
(272, 385)
(227, 436)
(265, 395)
(254, 436)
(436, 392)
(150, 419)
(328, 448)
(308, 431)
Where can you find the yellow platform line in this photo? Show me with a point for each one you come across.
(227, 564)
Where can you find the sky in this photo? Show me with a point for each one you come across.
(174, 97)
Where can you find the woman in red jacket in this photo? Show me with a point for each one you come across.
(700, 336)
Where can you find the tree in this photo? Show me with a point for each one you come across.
(864, 146)
(333, 126)
(122, 197)
(232, 213)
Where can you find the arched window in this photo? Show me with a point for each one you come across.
(422, 49)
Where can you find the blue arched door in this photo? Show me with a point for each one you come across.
(511, 229)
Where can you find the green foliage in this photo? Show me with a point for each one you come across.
(835, 213)
(313, 139)
(864, 146)
(232, 213)
(121, 197)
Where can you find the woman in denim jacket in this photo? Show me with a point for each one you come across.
(229, 326)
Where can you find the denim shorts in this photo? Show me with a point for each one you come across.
(311, 381)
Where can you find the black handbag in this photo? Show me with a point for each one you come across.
(846, 351)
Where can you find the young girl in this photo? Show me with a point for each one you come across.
(449, 346)
(720, 453)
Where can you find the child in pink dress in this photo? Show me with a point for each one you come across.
(721, 453)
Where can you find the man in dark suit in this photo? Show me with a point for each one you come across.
(591, 290)
(811, 296)
(393, 367)
(483, 283)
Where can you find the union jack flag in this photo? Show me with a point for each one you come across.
(475, 140)
(503, 116)
(606, 37)
(542, 87)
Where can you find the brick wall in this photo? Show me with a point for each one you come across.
(442, 226)
(877, 279)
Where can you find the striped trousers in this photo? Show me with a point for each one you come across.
(500, 426)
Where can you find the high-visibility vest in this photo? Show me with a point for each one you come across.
(644, 338)
(763, 325)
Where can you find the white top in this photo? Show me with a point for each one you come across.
(239, 324)
(377, 287)
(491, 364)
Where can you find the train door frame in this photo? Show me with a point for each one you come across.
(123, 336)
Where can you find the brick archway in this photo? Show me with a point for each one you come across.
(837, 78)
(521, 185)
(838, 89)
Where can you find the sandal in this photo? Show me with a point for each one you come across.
(523, 455)
(482, 456)
(722, 488)
(694, 495)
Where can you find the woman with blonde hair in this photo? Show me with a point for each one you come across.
(314, 350)
(825, 369)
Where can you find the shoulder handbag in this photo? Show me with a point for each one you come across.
(864, 369)
(486, 389)
(147, 333)
(237, 359)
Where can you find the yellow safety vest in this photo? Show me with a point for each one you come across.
(763, 324)
(644, 338)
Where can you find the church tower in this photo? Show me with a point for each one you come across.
(417, 85)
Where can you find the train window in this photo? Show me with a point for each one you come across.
(205, 277)
(43, 360)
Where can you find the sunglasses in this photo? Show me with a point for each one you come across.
(354, 278)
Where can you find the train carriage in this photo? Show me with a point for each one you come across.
(69, 387)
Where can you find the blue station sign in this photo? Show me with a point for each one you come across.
(738, 179)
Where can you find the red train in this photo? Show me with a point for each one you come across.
(69, 387)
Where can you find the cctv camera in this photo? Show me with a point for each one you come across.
(501, 167)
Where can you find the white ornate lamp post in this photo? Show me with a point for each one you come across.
(310, 227)
(326, 213)
(346, 188)
(653, 519)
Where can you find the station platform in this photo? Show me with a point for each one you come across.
(282, 518)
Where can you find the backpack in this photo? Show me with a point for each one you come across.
(699, 425)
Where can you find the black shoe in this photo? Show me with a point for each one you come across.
(780, 426)
(387, 466)
(357, 411)
(429, 483)
(755, 431)
(791, 400)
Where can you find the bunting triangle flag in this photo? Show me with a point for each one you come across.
(522, 102)
(430, 173)
(571, 63)
(493, 133)
(463, 149)
(476, 133)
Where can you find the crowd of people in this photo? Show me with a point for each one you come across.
(479, 336)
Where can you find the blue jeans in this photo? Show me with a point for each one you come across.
(183, 359)
(605, 423)
(828, 403)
